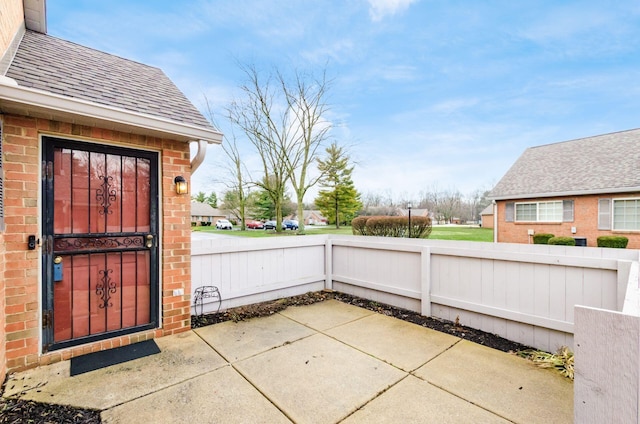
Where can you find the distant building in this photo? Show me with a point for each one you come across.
(204, 214)
(486, 217)
(582, 188)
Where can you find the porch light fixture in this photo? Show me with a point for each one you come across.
(182, 187)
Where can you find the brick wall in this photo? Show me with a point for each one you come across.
(585, 221)
(3, 361)
(487, 221)
(11, 17)
(22, 278)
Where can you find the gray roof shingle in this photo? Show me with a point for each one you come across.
(61, 67)
(204, 209)
(608, 163)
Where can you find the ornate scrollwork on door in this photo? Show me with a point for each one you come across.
(106, 195)
(105, 288)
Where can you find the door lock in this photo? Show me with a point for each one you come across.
(149, 241)
(57, 269)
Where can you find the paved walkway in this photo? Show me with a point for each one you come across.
(325, 363)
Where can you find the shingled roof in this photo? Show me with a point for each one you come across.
(607, 163)
(61, 67)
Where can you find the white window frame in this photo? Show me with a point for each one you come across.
(560, 211)
(614, 227)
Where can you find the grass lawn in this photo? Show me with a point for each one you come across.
(438, 233)
(462, 233)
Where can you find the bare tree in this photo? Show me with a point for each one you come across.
(268, 130)
(306, 109)
(238, 184)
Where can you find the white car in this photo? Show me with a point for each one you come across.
(224, 224)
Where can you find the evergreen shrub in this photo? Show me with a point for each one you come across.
(391, 226)
(564, 241)
(542, 238)
(618, 242)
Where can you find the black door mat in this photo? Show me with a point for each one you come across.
(105, 358)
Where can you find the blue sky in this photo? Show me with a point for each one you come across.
(439, 94)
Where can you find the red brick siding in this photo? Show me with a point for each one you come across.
(11, 17)
(21, 277)
(487, 221)
(585, 220)
(3, 360)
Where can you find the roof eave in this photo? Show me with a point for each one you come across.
(44, 104)
(616, 190)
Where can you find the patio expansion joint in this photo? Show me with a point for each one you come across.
(380, 393)
(262, 393)
(466, 400)
(231, 362)
(177, 383)
(232, 365)
(413, 373)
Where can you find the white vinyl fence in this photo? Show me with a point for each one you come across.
(537, 295)
(525, 293)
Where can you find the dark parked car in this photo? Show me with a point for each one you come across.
(290, 224)
(271, 225)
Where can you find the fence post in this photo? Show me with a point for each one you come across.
(328, 264)
(425, 281)
(607, 365)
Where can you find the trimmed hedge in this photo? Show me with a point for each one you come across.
(391, 226)
(564, 241)
(618, 242)
(542, 238)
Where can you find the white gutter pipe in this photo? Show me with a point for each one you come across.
(200, 155)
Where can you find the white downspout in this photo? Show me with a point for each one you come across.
(199, 157)
(495, 221)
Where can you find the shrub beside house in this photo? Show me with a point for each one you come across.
(584, 188)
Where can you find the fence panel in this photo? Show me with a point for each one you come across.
(249, 271)
(525, 293)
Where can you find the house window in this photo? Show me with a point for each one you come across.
(540, 212)
(604, 214)
(626, 214)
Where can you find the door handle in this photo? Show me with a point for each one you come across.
(149, 241)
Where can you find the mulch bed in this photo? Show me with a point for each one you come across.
(23, 411)
(16, 411)
(269, 308)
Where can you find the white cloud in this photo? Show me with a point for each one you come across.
(378, 9)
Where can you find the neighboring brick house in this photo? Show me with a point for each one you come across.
(204, 213)
(94, 238)
(311, 218)
(582, 188)
(486, 217)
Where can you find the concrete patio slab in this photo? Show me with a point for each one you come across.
(183, 356)
(325, 315)
(220, 396)
(358, 368)
(505, 384)
(415, 401)
(402, 344)
(318, 379)
(241, 340)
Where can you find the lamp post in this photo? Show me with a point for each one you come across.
(409, 207)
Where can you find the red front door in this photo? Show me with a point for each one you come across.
(100, 242)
